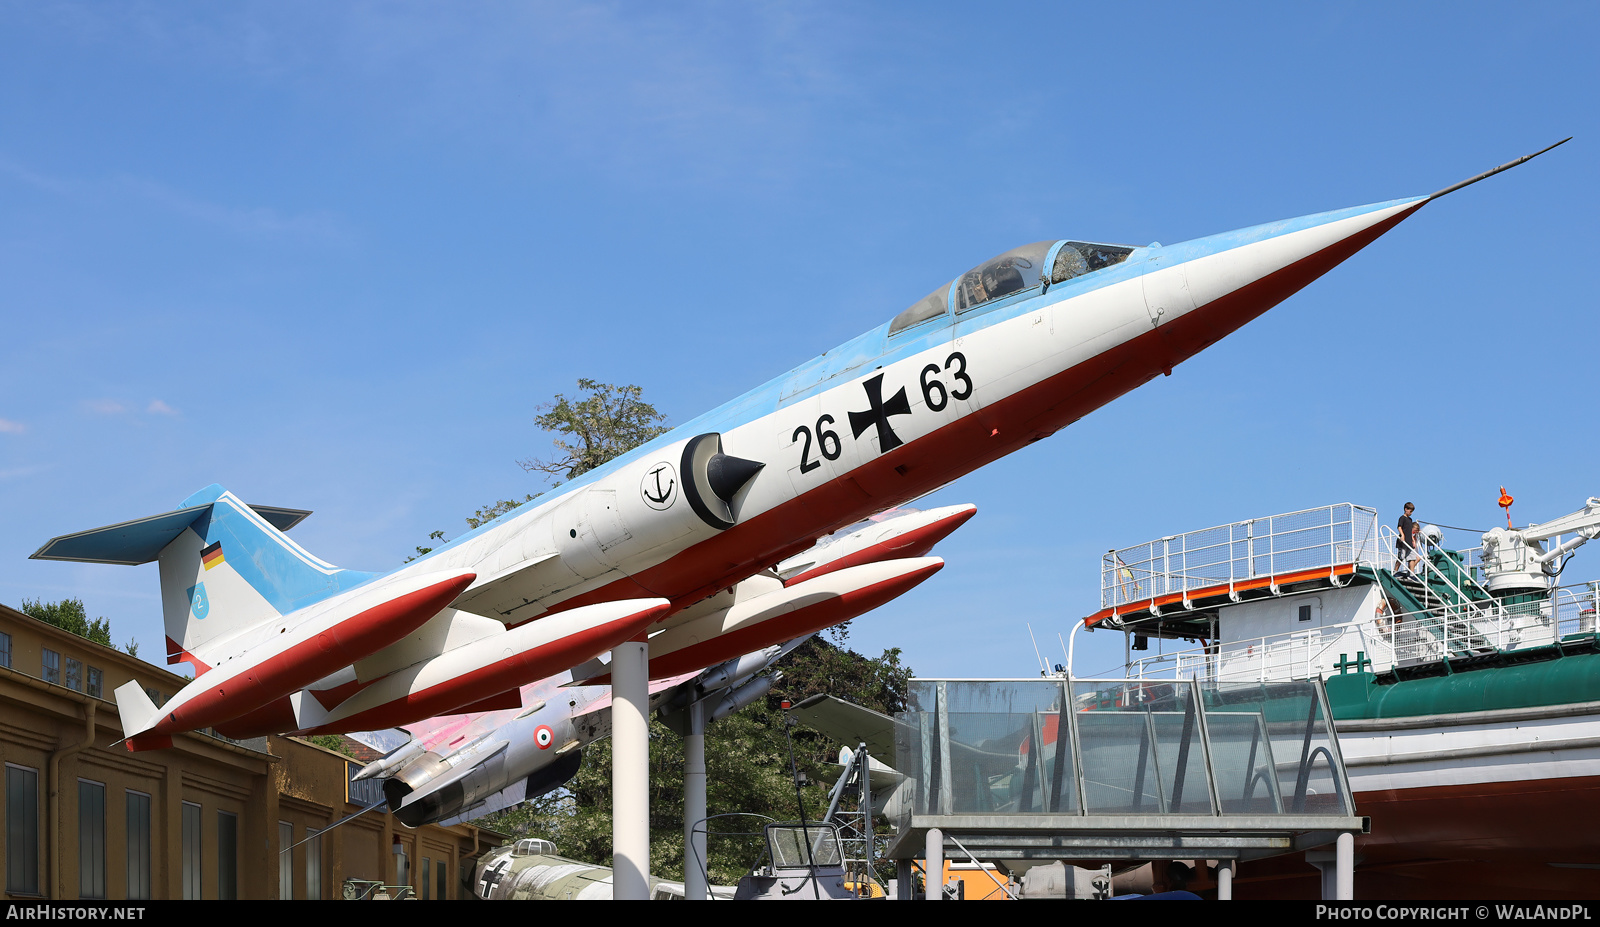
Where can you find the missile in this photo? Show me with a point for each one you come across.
(742, 696)
(273, 660)
(910, 533)
(386, 765)
(787, 612)
(483, 668)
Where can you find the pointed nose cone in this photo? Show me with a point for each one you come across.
(1199, 291)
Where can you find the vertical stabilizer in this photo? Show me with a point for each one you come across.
(230, 570)
(225, 566)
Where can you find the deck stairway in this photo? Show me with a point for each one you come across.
(1437, 608)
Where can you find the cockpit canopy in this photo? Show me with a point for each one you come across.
(1012, 272)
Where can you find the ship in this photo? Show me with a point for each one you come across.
(1464, 684)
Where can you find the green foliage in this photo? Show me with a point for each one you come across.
(132, 647)
(747, 770)
(609, 421)
(69, 615)
(592, 429)
(333, 742)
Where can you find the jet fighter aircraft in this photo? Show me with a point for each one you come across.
(1001, 356)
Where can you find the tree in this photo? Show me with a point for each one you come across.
(747, 770)
(69, 615)
(611, 420)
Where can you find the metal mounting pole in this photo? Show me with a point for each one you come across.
(933, 865)
(1345, 867)
(694, 804)
(1225, 880)
(630, 771)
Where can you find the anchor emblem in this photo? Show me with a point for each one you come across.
(659, 486)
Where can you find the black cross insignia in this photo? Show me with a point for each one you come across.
(878, 413)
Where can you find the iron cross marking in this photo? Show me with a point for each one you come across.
(878, 413)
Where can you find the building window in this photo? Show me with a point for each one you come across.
(227, 856)
(52, 666)
(313, 864)
(191, 851)
(22, 830)
(5, 650)
(96, 681)
(441, 871)
(91, 837)
(427, 877)
(285, 861)
(74, 675)
(138, 845)
(155, 697)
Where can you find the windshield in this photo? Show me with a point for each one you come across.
(1013, 272)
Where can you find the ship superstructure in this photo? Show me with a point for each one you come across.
(1464, 682)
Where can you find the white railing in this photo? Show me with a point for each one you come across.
(1325, 537)
(1386, 641)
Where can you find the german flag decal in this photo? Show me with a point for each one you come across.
(212, 556)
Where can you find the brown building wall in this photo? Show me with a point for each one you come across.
(62, 735)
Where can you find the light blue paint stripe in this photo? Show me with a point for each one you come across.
(270, 567)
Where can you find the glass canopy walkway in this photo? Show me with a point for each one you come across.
(1119, 769)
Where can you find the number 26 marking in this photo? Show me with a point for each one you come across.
(825, 437)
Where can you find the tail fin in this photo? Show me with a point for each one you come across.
(225, 566)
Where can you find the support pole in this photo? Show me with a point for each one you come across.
(630, 771)
(1225, 880)
(903, 880)
(933, 867)
(1344, 850)
(694, 804)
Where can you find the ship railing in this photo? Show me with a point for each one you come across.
(1386, 640)
(1226, 555)
(1292, 655)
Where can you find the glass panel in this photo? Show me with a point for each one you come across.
(1012, 272)
(96, 681)
(227, 856)
(313, 866)
(52, 666)
(285, 861)
(442, 872)
(74, 675)
(789, 846)
(1006, 744)
(928, 307)
(1077, 258)
(427, 878)
(22, 830)
(1299, 763)
(191, 851)
(5, 650)
(138, 836)
(1142, 749)
(91, 838)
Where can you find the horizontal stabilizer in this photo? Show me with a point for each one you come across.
(131, 543)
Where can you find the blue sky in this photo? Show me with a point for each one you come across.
(333, 256)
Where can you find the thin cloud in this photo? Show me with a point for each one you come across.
(157, 407)
(8, 427)
(104, 406)
(260, 221)
(17, 473)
